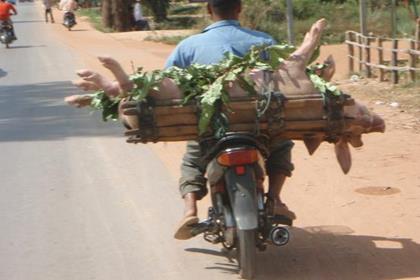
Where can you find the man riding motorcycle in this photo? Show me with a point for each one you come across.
(224, 35)
(68, 7)
(5, 9)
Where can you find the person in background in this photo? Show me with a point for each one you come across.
(209, 47)
(48, 10)
(68, 6)
(140, 22)
(5, 9)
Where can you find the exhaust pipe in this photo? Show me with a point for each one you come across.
(279, 236)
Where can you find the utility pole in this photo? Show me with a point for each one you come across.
(394, 18)
(363, 17)
(289, 16)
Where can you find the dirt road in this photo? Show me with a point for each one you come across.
(364, 225)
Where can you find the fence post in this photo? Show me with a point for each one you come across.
(412, 60)
(394, 61)
(381, 58)
(417, 37)
(350, 47)
(367, 56)
(359, 41)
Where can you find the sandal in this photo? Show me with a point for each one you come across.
(279, 209)
(184, 229)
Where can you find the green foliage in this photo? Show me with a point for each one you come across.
(206, 84)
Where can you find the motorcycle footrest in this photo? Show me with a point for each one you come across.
(202, 227)
(280, 219)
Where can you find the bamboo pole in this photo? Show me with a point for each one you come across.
(350, 48)
(394, 61)
(381, 58)
(412, 61)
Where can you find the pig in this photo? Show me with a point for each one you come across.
(290, 79)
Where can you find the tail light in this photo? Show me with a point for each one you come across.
(238, 157)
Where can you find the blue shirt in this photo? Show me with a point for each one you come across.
(209, 46)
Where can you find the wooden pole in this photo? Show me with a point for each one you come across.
(381, 58)
(367, 56)
(394, 61)
(363, 16)
(350, 47)
(412, 61)
(417, 37)
(360, 42)
(289, 16)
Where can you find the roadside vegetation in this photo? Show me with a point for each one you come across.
(269, 16)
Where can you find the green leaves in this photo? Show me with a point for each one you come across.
(206, 84)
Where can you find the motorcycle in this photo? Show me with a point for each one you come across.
(6, 33)
(239, 217)
(69, 20)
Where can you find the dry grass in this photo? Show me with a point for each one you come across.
(406, 95)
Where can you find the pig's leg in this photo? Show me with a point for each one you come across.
(118, 71)
(111, 88)
(342, 152)
(329, 71)
(78, 101)
(311, 41)
(86, 85)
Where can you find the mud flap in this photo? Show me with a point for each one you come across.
(243, 197)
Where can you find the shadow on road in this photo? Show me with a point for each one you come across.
(37, 112)
(27, 21)
(25, 46)
(331, 252)
(2, 73)
(76, 30)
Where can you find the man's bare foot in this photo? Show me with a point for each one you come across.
(190, 218)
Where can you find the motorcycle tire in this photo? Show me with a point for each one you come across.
(247, 253)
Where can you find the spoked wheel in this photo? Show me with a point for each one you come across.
(247, 253)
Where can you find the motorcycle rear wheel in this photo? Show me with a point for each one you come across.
(247, 253)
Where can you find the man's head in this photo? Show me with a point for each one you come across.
(224, 9)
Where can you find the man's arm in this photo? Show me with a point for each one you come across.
(13, 9)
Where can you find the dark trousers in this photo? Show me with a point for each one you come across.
(193, 169)
(49, 12)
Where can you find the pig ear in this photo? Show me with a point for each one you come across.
(342, 152)
(312, 144)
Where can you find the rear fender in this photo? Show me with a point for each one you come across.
(243, 197)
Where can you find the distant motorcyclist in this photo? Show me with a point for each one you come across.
(68, 7)
(5, 8)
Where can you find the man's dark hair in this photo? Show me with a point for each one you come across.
(224, 8)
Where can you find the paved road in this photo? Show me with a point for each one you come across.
(76, 203)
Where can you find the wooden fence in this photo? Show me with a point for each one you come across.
(382, 56)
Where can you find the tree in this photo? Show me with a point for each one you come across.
(116, 14)
(159, 8)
